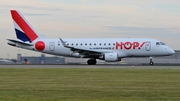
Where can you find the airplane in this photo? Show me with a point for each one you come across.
(6, 61)
(26, 61)
(107, 49)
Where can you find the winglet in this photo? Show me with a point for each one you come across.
(64, 44)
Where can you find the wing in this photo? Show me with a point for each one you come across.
(87, 52)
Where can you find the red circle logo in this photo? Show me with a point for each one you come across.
(40, 45)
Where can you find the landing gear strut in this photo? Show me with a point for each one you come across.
(151, 62)
(92, 61)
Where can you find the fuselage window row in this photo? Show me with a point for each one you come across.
(90, 44)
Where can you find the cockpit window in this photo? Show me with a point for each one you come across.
(160, 43)
(157, 43)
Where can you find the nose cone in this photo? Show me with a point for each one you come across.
(171, 51)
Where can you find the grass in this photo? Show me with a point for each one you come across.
(62, 84)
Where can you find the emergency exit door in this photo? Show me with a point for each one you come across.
(148, 46)
(52, 46)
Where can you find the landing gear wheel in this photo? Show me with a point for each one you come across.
(92, 62)
(151, 62)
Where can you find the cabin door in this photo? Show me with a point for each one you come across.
(148, 46)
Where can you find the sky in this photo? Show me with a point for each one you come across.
(158, 19)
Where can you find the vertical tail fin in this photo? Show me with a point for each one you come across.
(24, 31)
(26, 61)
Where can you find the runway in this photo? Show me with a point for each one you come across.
(92, 66)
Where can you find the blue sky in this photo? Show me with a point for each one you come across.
(159, 19)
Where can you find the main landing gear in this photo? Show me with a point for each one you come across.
(92, 61)
(151, 62)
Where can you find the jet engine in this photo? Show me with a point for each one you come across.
(110, 57)
(77, 55)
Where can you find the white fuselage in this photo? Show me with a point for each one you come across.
(124, 47)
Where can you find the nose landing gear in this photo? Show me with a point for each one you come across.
(151, 62)
(92, 61)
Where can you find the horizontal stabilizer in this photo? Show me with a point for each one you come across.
(21, 42)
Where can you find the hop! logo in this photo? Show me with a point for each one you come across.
(129, 45)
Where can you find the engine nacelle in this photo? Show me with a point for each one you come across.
(110, 57)
(75, 55)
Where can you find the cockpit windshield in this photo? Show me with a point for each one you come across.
(160, 43)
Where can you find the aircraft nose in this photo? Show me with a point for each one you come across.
(171, 51)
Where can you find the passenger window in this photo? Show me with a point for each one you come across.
(94, 44)
(104, 44)
(76, 44)
(113, 43)
(109, 44)
(72, 44)
(90, 44)
(81, 44)
(85, 43)
(100, 44)
(68, 44)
